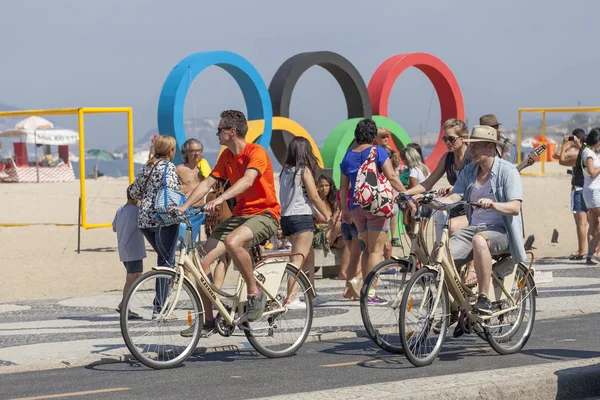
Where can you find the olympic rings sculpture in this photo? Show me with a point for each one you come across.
(268, 109)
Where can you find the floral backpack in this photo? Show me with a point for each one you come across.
(373, 191)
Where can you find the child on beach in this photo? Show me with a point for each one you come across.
(130, 241)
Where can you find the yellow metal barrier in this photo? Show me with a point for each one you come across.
(544, 111)
(80, 112)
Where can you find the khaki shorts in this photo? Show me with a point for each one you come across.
(262, 225)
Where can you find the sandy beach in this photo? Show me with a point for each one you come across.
(41, 261)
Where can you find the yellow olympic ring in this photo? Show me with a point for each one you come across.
(257, 126)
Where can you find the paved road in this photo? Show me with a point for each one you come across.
(320, 365)
(70, 330)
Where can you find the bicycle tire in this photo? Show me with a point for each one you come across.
(377, 327)
(413, 340)
(501, 340)
(256, 340)
(180, 320)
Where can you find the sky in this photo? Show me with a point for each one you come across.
(504, 54)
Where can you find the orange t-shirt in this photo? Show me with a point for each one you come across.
(259, 198)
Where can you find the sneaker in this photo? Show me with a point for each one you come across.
(396, 242)
(483, 305)
(206, 328)
(319, 300)
(296, 304)
(256, 306)
(591, 259)
(376, 301)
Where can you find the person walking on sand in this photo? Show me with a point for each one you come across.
(130, 243)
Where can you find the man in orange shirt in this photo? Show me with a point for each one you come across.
(256, 213)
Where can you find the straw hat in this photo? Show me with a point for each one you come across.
(483, 133)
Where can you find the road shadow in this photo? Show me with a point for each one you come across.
(226, 354)
(99, 250)
(556, 260)
(93, 318)
(579, 382)
(560, 354)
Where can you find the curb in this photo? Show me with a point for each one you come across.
(559, 380)
(359, 332)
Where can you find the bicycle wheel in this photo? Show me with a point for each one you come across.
(154, 338)
(418, 318)
(508, 333)
(381, 321)
(281, 335)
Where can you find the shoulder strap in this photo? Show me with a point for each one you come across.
(148, 179)
(165, 184)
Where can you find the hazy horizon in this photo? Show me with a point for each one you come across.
(504, 55)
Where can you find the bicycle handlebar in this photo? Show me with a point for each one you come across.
(456, 204)
(184, 217)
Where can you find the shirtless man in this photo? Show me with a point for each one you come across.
(188, 171)
(190, 176)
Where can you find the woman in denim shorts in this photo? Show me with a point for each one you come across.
(297, 223)
(372, 229)
(350, 269)
(591, 189)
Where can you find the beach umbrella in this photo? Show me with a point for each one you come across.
(34, 123)
(99, 154)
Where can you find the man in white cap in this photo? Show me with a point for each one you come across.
(495, 227)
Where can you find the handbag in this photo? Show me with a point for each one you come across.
(373, 191)
(167, 199)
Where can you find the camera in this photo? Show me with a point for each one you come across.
(571, 138)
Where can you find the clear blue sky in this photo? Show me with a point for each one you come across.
(505, 55)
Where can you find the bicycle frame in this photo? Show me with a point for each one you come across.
(265, 279)
(448, 275)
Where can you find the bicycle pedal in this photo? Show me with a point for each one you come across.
(241, 319)
(207, 334)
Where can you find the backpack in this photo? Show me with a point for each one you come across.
(373, 191)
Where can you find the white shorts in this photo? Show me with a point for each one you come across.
(591, 197)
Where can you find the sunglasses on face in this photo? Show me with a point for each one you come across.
(450, 139)
(223, 128)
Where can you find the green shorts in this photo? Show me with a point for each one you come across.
(264, 226)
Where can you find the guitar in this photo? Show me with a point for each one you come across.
(530, 159)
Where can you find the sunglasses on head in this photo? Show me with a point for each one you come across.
(450, 139)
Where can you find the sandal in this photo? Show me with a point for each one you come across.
(575, 256)
(470, 282)
(348, 292)
(355, 287)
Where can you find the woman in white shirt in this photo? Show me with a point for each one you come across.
(418, 170)
(591, 190)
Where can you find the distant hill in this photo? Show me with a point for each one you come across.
(537, 122)
(203, 129)
(9, 123)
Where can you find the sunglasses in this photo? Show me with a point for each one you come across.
(450, 139)
(224, 128)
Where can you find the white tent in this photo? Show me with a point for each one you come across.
(47, 136)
